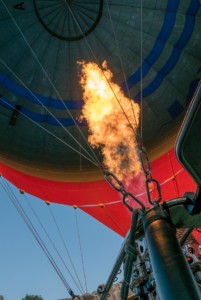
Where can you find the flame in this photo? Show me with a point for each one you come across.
(112, 119)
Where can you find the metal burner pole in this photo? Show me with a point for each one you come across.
(174, 279)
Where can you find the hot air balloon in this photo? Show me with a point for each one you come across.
(153, 51)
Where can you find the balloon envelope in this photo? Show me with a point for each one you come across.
(154, 54)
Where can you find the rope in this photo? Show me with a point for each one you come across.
(27, 221)
(68, 254)
(38, 100)
(120, 201)
(141, 75)
(57, 93)
(174, 177)
(49, 132)
(111, 218)
(80, 246)
(97, 61)
(49, 238)
(121, 62)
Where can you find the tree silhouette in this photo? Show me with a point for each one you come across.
(32, 297)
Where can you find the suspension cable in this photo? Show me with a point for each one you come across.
(65, 246)
(47, 76)
(146, 166)
(52, 243)
(38, 100)
(110, 217)
(98, 63)
(141, 75)
(49, 132)
(143, 153)
(80, 246)
(121, 62)
(29, 224)
(174, 176)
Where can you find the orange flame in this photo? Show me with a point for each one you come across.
(112, 120)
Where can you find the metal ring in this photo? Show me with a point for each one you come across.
(136, 200)
(158, 190)
(120, 188)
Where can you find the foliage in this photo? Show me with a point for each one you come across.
(32, 297)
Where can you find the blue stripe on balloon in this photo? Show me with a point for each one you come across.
(42, 118)
(37, 99)
(155, 53)
(159, 45)
(176, 52)
(48, 118)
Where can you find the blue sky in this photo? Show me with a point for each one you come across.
(25, 269)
